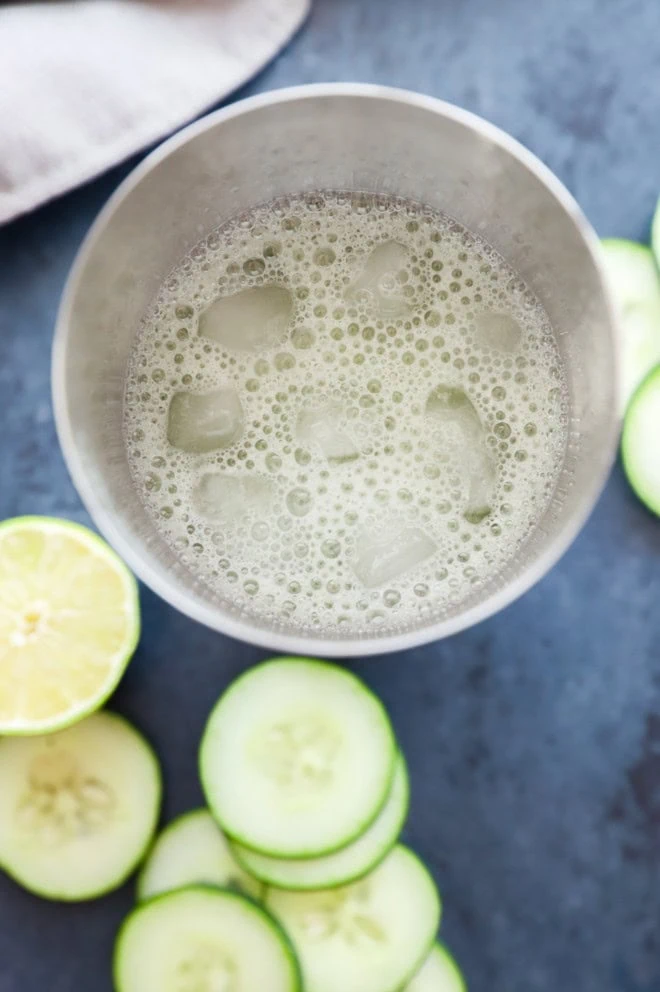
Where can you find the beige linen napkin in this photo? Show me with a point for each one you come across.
(85, 83)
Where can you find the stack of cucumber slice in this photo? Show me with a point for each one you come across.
(632, 270)
(293, 879)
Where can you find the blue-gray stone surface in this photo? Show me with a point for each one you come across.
(533, 739)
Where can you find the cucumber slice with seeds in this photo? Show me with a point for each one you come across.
(370, 936)
(343, 866)
(639, 445)
(192, 850)
(439, 973)
(297, 758)
(78, 808)
(203, 939)
(635, 284)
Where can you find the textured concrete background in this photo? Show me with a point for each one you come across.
(534, 739)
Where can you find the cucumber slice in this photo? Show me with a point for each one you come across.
(370, 936)
(655, 233)
(191, 850)
(439, 973)
(78, 808)
(639, 445)
(346, 865)
(297, 758)
(203, 939)
(343, 866)
(635, 285)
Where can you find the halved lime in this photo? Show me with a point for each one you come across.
(69, 623)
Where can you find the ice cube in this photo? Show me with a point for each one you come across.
(499, 331)
(482, 478)
(464, 436)
(318, 426)
(450, 406)
(382, 556)
(251, 320)
(227, 498)
(201, 422)
(378, 284)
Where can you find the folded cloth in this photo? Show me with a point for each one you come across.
(85, 83)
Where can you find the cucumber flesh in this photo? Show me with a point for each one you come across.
(370, 936)
(655, 233)
(297, 758)
(639, 445)
(78, 808)
(346, 865)
(633, 277)
(192, 850)
(203, 939)
(439, 973)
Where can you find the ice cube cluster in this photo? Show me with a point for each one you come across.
(345, 412)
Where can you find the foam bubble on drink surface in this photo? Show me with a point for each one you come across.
(345, 412)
